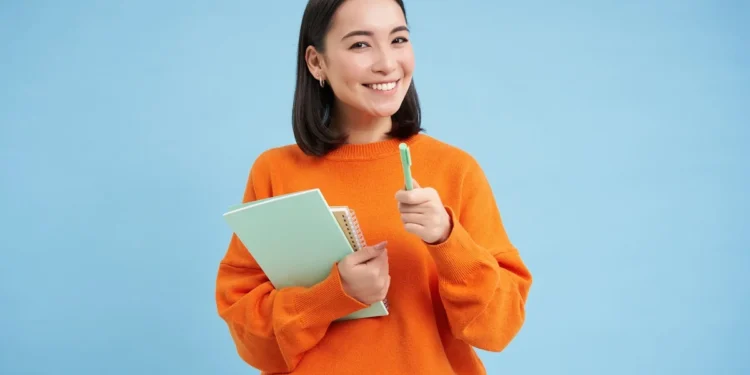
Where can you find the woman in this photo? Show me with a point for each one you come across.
(452, 278)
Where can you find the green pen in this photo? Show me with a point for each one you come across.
(406, 164)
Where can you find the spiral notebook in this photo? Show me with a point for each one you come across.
(348, 222)
(347, 219)
(296, 238)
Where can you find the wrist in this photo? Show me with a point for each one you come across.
(447, 229)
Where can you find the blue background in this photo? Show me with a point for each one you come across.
(615, 136)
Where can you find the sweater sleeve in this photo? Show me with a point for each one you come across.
(483, 282)
(272, 329)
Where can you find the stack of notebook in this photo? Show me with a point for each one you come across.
(347, 220)
(296, 238)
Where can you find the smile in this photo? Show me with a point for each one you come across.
(386, 86)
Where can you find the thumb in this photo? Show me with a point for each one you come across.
(367, 253)
(415, 183)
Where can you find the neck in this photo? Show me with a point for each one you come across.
(360, 127)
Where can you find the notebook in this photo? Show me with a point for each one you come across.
(296, 238)
(348, 222)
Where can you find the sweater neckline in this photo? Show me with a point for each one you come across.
(374, 150)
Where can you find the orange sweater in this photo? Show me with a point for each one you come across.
(468, 291)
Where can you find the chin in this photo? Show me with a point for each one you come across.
(384, 110)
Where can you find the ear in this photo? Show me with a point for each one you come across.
(315, 63)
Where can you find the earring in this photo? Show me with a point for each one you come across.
(322, 82)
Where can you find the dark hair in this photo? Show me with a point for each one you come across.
(313, 105)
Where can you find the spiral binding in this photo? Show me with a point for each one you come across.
(349, 235)
(358, 230)
(359, 235)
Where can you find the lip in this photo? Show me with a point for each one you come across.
(380, 92)
(381, 82)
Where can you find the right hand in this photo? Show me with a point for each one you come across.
(365, 274)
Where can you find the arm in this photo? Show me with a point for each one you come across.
(272, 329)
(482, 280)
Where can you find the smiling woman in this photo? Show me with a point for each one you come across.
(453, 280)
(364, 56)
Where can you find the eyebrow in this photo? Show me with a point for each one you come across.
(369, 33)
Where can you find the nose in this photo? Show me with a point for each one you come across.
(385, 63)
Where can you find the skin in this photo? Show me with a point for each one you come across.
(423, 214)
(368, 43)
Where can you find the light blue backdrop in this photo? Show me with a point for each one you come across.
(615, 136)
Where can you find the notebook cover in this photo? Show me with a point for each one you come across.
(348, 222)
(295, 239)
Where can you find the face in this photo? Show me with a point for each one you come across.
(368, 60)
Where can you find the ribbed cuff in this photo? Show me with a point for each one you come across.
(458, 258)
(326, 301)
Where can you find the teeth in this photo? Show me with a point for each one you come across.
(383, 86)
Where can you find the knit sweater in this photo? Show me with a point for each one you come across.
(445, 299)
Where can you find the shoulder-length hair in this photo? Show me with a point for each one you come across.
(313, 105)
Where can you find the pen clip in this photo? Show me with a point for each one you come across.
(405, 155)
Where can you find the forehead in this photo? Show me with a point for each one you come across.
(369, 15)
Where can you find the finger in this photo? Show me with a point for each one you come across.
(413, 208)
(415, 218)
(415, 184)
(382, 269)
(380, 262)
(415, 196)
(414, 228)
(366, 254)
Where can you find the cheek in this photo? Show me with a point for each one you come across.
(350, 71)
(407, 61)
(358, 71)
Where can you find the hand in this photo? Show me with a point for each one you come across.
(423, 213)
(365, 274)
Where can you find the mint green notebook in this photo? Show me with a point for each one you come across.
(295, 239)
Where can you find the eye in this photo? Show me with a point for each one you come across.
(400, 40)
(358, 45)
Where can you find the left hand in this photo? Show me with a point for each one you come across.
(423, 213)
